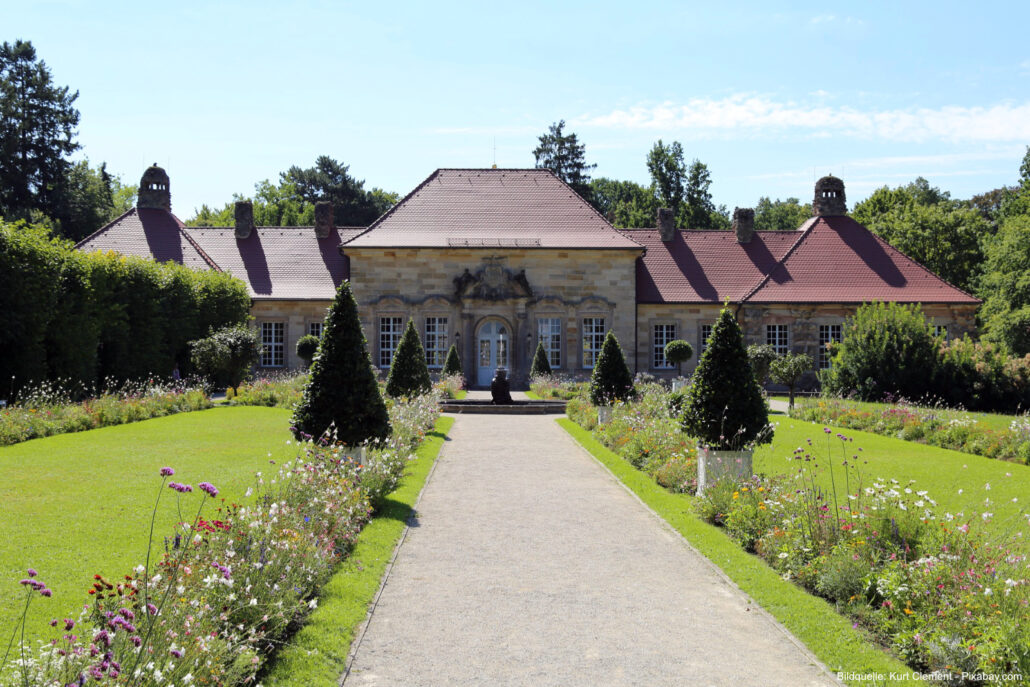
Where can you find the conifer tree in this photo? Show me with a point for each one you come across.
(541, 365)
(452, 364)
(409, 374)
(611, 380)
(342, 390)
(724, 408)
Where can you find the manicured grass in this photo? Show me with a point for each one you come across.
(940, 471)
(317, 655)
(460, 394)
(78, 504)
(827, 634)
(533, 396)
(995, 421)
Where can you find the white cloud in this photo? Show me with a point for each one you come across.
(755, 114)
(834, 19)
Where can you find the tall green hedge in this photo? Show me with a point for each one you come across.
(65, 314)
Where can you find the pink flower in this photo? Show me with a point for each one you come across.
(167, 472)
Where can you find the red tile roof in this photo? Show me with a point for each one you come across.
(149, 233)
(837, 260)
(280, 263)
(828, 260)
(509, 208)
(705, 266)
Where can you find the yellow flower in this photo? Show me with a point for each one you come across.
(909, 611)
(736, 494)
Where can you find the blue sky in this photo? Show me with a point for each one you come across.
(770, 96)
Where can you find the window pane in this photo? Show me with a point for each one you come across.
(828, 333)
(706, 334)
(273, 344)
(663, 334)
(315, 329)
(593, 339)
(389, 337)
(436, 341)
(778, 336)
(549, 334)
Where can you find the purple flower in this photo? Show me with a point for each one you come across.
(826, 430)
(46, 592)
(181, 488)
(151, 609)
(68, 623)
(32, 572)
(167, 472)
(208, 488)
(136, 641)
(175, 653)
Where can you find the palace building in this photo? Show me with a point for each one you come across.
(497, 260)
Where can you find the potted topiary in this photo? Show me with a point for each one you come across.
(342, 395)
(307, 346)
(541, 365)
(611, 380)
(678, 352)
(409, 374)
(724, 409)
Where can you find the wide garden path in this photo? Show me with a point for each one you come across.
(529, 564)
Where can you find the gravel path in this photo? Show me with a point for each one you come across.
(529, 564)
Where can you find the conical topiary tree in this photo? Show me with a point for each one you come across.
(452, 364)
(342, 390)
(724, 409)
(409, 374)
(611, 380)
(541, 365)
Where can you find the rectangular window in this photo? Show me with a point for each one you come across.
(389, 336)
(273, 344)
(315, 329)
(436, 342)
(593, 340)
(941, 330)
(548, 331)
(778, 336)
(706, 334)
(663, 334)
(828, 333)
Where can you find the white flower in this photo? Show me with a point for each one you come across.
(960, 491)
(784, 554)
(986, 516)
(313, 604)
(988, 592)
(180, 589)
(987, 486)
(140, 569)
(1010, 582)
(253, 602)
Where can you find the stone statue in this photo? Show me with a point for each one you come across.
(500, 388)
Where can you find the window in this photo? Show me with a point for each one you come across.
(273, 344)
(315, 329)
(436, 341)
(828, 333)
(706, 334)
(941, 330)
(389, 336)
(548, 331)
(663, 334)
(778, 336)
(593, 339)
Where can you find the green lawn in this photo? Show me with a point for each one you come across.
(78, 504)
(940, 471)
(995, 421)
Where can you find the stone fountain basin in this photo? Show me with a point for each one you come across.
(514, 408)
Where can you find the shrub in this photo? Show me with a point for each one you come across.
(227, 355)
(281, 389)
(982, 376)
(761, 356)
(788, 371)
(307, 347)
(452, 365)
(611, 380)
(541, 365)
(409, 374)
(678, 352)
(342, 391)
(724, 408)
(888, 348)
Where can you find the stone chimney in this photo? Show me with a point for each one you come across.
(744, 224)
(666, 224)
(244, 215)
(323, 219)
(154, 190)
(829, 200)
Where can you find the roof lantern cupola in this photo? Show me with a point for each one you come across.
(154, 190)
(829, 200)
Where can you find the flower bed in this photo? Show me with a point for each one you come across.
(49, 409)
(278, 390)
(234, 579)
(940, 427)
(646, 434)
(948, 592)
(555, 387)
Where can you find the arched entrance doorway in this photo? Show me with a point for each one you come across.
(493, 344)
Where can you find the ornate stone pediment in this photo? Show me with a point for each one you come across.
(492, 282)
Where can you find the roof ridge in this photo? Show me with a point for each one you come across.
(586, 203)
(782, 261)
(107, 226)
(396, 205)
(196, 246)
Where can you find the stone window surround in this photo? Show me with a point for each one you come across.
(606, 326)
(552, 314)
(378, 322)
(652, 325)
(448, 319)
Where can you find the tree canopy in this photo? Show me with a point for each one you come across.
(780, 215)
(564, 155)
(626, 204)
(668, 174)
(330, 180)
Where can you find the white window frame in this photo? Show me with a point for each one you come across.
(389, 338)
(315, 328)
(273, 343)
(549, 333)
(594, 331)
(661, 334)
(435, 338)
(828, 333)
(941, 330)
(778, 336)
(704, 335)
